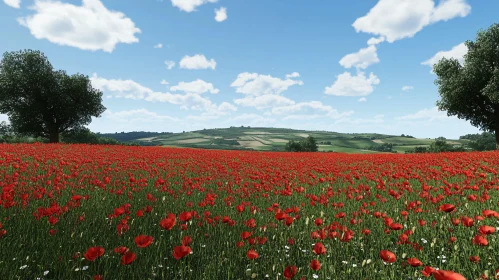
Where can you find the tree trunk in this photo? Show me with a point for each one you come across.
(497, 135)
(496, 113)
(54, 137)
(53, 134)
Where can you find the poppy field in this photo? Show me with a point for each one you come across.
(111, 212)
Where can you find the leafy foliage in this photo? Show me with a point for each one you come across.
(385, 147)
(307, 145)
(440, 145)
(471, 92)
(482, 142)
(44, 102)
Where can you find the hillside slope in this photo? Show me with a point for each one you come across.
(274, 139)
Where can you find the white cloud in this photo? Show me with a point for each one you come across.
(158, 46)
(375, 41)
(264, 101)
(361, 59)
(449, 9)
(256, 84)
(250, 119)
(220, 14)
(377, 120)
(293, 75)
(136, 116)
(312, 107)
(13, 3)
(190, 5)
(348, 85)
(362, 99)
(431, 114)
(456, 52)
(170, 64)
(398, 19)
(197, 62)
(120, 88)
(198, 86)
(88, 27)
(164, 82)
(407, 88)
(130, 89)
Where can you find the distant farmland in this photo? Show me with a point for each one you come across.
(274, 139)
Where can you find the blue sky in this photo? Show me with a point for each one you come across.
(174, 65)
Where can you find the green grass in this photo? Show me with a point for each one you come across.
(340, 142)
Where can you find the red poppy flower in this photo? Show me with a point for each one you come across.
(185, 216)
(447, 275)
(143, 241)
(290, 271)
(318, 222)
(475, 259)
(396, 226)
(288, 221)
(319, 249)
(186, 240)
(315, 265)
(245, 235)
(447, 208)
(128, 258)
(487, 230)
(280, 216)
(98, 277)
(121, 250)
(181, 251)
(480, 240)
(414, 262)
(467, 221)
(93, 253)
(427, 271)
(252, 254)
(169, 222)
(387, 256)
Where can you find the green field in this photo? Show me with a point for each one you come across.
(274, 139)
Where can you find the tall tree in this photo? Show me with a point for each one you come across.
(43, 102)
(471, 91)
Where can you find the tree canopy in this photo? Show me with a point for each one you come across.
(41, 101)
(471, 91)
(306, 145)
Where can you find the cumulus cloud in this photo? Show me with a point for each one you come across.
(257, 84)
(137, 115)
(361, 59)
(431, 114)
(264, 101)
(310, 107)
(293, 75)
(456, 52)
(190, 5)
(170, 64)
(398, 19)
(362, 99)
(164, 82)
(198, 86)
(13, 3)
(375, 41)
(221, 14)
(348, 85)
(407, 88)
(197, 62)
(158, 46)
(129, 89)
(88, 27)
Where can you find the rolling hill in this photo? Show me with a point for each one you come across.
(274, 139)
